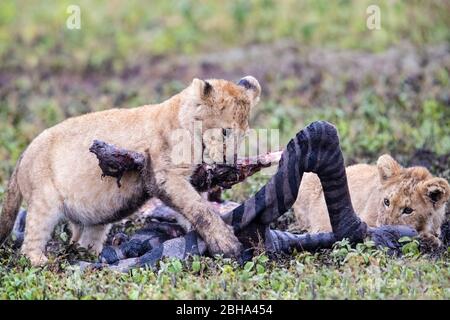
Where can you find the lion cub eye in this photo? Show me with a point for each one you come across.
(386, 202)
(407, 210)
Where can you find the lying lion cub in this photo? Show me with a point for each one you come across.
(383, 194)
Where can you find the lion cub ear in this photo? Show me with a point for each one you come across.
(201, 88)
(387, 167)
(436, 190)
(252, 88)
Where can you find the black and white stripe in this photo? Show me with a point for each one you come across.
(314, 149)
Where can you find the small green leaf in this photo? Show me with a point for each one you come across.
(249, 266)
(260, 269)
(176, 266)
(404, 239)
(196, 266)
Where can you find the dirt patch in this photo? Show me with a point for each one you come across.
(438, 164)
(287, 72)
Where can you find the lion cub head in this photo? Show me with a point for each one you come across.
(411, 196)
(222, 109)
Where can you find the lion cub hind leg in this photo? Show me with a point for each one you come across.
(76, 230)
(40, 223)
(93, 237)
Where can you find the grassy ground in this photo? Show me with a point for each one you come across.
(360, 273)
(386, 90)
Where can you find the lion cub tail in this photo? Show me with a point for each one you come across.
(11, 205)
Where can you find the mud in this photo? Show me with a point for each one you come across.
(306, 77)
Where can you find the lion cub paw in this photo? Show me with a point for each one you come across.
(430, 241)
(224, 242)
(37, 260)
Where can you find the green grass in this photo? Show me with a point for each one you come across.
(360, 273)
(131, 53)
(118, 33)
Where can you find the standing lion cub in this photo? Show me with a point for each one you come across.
(58, 177)
(383, 194)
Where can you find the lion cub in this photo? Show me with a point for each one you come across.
(383, 194)
(58, 177)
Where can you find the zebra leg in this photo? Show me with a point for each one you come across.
(314, 149)
(384, 236)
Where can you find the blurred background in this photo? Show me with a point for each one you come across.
(387, 90)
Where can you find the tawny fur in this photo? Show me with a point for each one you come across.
(59, 178)
(369, 186)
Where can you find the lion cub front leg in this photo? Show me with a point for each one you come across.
(178, 193)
